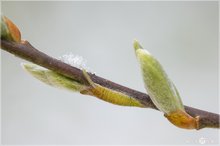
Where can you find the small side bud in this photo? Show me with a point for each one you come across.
(108, 95)
(52, 78)
(9, 31)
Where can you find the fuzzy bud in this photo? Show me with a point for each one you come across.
(162, 91)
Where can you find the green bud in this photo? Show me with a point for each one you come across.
(160, 88)
(53, 79)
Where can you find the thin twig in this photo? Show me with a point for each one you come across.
(26, 51)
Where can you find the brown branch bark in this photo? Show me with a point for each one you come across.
(26, 51)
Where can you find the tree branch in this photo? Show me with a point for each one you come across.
(25, 51)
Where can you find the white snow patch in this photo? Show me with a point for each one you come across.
(75, 61)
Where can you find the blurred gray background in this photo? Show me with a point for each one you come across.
(183, 36)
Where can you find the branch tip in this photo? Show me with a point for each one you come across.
(9, 31)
